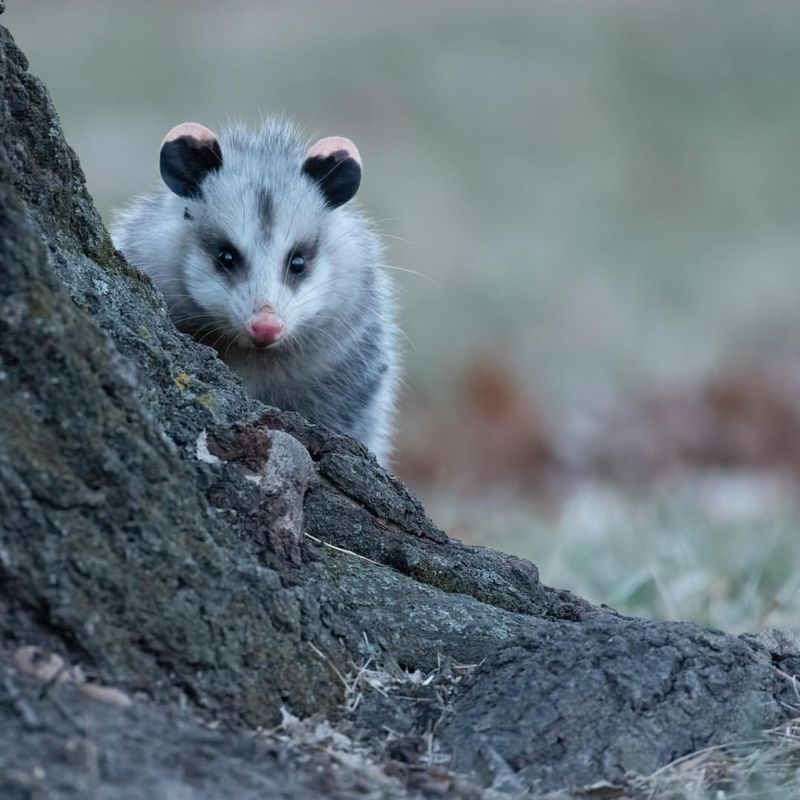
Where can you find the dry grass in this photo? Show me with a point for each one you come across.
(766, 768)
(391, 762)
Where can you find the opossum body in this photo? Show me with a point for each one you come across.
(260, 254)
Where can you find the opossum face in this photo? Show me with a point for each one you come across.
(260, 232)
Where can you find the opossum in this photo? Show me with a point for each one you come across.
(260, 254)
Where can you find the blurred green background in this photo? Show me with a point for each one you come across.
(605, 200)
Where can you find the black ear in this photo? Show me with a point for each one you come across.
(335, 165)
(189, 153)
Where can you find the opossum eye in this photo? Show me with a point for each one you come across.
(297, 264)
(227, 258)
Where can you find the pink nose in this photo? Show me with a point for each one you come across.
(266, 327)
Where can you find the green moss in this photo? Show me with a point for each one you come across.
(208, 400)
(106, 255)
(337, 565)
(40, 302)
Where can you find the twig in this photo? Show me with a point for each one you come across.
(342, 550)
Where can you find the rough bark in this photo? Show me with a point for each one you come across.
(185, 543)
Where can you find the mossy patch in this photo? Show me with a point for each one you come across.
(208, 400)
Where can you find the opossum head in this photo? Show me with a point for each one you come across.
(262, 227)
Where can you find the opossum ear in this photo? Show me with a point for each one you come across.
(189, 152)
(335, 165)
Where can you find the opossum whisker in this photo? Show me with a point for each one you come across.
(313, 289)
(395, 237)
(410, 272)
(410, 341)
(180, 281)
(202, 335)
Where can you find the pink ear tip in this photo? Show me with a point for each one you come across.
(194, 130)
(334, 144)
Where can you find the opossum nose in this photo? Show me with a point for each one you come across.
(266, 327)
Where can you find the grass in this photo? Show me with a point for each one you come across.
(698, 549)
(767, 768)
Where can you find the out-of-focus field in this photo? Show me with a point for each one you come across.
(605, 199)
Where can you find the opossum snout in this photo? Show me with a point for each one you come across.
(266, 327)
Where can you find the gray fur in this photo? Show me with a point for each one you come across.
(338, 365)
